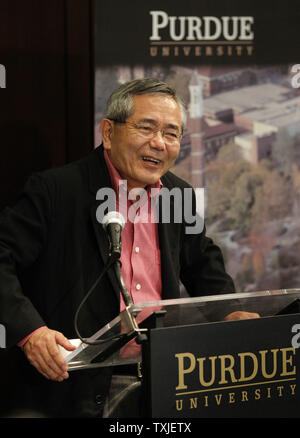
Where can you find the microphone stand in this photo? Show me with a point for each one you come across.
(128, 317)
(126, 295)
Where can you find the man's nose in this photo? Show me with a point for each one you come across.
(158, 141)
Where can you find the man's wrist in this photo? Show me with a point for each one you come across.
(24, 340)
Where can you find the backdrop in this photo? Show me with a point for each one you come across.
(235, 66)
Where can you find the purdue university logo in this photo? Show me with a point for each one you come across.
(201, 36)
(234, 378)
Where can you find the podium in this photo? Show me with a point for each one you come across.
(195, 364)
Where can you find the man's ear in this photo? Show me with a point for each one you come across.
(106, 128)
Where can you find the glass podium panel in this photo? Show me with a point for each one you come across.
(116, 341)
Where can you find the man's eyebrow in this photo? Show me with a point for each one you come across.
(154, 122)
(170, 125)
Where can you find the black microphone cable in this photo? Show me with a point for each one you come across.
(113, 259)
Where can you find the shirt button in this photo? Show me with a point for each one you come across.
(137, 249)
(138, 286)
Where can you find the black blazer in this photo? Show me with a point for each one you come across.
(52, 249)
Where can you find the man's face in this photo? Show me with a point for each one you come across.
(141, 160)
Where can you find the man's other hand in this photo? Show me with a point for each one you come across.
(235, 316)
(43, 353)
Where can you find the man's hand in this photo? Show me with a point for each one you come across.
(235, 316)
(43, 353)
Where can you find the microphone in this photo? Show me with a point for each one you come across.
(113, 223)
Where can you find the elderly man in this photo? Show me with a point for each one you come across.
(52, 248)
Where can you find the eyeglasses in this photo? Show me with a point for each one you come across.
(171, 136)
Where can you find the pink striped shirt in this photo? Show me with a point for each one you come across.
(140, 258)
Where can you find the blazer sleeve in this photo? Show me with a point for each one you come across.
(202, 264)
(23, 234)
(202, 267)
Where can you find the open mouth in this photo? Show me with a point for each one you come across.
(151, 160)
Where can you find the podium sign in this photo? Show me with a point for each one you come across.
(232, 369)
(196, 364)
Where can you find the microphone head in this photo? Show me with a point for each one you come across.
(113, 217)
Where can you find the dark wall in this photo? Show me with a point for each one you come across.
(46, 109)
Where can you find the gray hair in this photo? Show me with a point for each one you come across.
(120, 104)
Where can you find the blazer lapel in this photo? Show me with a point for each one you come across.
(99, 178)
(168, 238)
